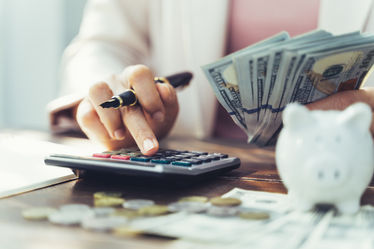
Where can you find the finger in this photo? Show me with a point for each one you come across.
(143, 135)
(111, 118)
(90, 124)
(140, 78)
(342, 100)
(169, 98)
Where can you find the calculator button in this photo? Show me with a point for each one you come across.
(181, 151)
(134, 154)
(189, 154)
(182, 163)
(101, 155)
(221, 155)
(112, 152)
(170, 153)
(173, 158)
(203, 159)
(213, 157)
(120, 157)
(161, 161)
(193, 161)
(199, 153)
(181, 156)
(140, 159)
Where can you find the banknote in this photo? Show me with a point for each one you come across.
(320, 228)
(255, 84)
(284, 66)
(253, 98)
(293, 57)
(322, 74)
(224, 81)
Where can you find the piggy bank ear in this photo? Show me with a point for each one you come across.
(357, 116)
(296, 116)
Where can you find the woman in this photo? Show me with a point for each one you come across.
(171, 36)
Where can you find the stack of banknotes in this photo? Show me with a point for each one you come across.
(256, 83)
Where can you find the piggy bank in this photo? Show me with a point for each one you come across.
(326, 157)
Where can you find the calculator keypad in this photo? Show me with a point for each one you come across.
(182, 158)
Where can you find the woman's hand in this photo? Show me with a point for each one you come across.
(341, 100)
(140, 124)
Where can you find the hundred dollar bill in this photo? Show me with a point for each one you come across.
(276, 61)
(268, 126)
(324, 74)
(347, 231)
(256, 83)
(253, 94)
(247, 64)
(285, 85)
(279, 71)
(223, 78)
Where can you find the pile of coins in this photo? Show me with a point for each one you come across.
(111, 212)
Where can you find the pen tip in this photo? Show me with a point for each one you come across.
(106, 104)
(180, 79)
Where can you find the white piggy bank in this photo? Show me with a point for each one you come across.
(326, 157)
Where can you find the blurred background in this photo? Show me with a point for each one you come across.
(33, 35)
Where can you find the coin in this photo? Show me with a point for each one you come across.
(222, 211)
(74, 207)
(103, 211)
(125, 231)
(153, 210)
(128, 213)
(194, 199)
(188, 206)
(68, 218)
(103, 223)
(225, 201)
(108, 202)
(102, 194)
(137, 203)
(254, 215)
(38, 213)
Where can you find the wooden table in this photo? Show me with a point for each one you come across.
(257, 172)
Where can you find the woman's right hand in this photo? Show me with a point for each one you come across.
(140, 125)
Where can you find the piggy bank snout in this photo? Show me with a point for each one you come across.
(327, 171)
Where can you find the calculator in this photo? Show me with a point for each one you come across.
(166, 163)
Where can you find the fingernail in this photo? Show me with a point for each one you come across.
(119, 134)
(158, 116)
(148, 145)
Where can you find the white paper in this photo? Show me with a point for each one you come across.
(22, 165)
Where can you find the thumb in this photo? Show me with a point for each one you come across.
(342, 100)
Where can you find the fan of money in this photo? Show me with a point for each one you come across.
(256, 83)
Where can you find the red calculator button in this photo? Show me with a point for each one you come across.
(120, 157)
(101, 155)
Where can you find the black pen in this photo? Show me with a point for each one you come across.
(128, 98)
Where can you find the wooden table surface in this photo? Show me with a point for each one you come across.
(257, 172)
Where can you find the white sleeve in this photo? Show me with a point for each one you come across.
(113, 35)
